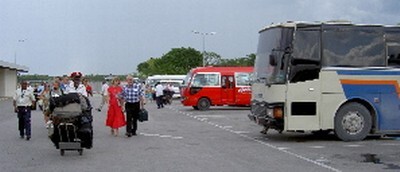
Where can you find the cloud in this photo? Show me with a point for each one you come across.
(115, 36)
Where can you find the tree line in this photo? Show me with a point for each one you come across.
(181, 60)
(178, 61)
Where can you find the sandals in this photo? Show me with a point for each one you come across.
(114, 132)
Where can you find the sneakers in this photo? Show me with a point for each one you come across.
(28, 138)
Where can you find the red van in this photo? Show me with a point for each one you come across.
(217, 86)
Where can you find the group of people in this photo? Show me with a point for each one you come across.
(129, 98)
(162, 94)
(25, 98)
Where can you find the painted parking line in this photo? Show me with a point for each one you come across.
(318, 162)
(161, 136)
(353, 146)
(3, 99)
(211, 116)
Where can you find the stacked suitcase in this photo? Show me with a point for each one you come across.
(72, 123)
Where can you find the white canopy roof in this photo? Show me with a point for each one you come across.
(13, 66)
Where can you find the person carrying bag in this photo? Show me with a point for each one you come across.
(133, 96)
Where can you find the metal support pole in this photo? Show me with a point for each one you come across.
(204, 44)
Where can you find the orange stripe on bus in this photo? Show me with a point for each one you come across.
(372, 82)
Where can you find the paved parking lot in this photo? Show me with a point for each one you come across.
(179, 138)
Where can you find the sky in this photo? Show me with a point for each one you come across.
(114, 36)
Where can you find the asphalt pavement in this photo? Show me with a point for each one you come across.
(180, 139)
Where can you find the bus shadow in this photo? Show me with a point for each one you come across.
(300, 137)
(311, 137)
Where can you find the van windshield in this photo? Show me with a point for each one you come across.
(206, 79)
(187, 79)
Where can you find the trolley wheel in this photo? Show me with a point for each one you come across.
(62, 152)
(80, 151)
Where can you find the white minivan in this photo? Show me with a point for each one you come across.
(174, 85)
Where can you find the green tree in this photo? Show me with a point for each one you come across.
(212, 59)
(241, 61)
(176, 61)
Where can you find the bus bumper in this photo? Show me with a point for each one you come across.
(262, 114)
(258, 112)
(258, 120)
(188, 102)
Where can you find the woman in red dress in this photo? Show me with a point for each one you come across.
(115, 116)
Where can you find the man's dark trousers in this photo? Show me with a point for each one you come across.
(132, 115)
(24, 121)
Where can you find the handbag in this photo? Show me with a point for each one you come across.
(143, 115)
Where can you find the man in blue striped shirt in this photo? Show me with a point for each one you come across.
(133, 96)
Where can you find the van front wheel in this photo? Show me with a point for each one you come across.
(203, 104)
(352, 122)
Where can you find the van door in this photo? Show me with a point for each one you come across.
(228, 89)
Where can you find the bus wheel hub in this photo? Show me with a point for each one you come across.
(353, 122)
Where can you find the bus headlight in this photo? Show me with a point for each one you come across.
(278, 113)
(270, 112)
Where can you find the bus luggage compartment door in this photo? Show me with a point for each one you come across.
(302, 106)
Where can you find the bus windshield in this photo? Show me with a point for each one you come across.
(272, 44)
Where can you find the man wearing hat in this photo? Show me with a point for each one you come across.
(23, 99)
(76, 86)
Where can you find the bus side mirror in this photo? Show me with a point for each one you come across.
(272, 60)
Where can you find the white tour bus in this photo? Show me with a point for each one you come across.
(329, 76)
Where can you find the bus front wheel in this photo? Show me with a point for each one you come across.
(203, 104)
(352, 122)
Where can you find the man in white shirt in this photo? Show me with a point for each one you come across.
(76, 86)
(23, 99)
(159, 95)
(104, 94)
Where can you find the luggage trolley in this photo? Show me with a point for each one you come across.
(67, 118)
(69, 140)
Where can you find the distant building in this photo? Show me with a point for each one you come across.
(8, 77)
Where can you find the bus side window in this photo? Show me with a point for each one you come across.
(394, 60)
(393, 57)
